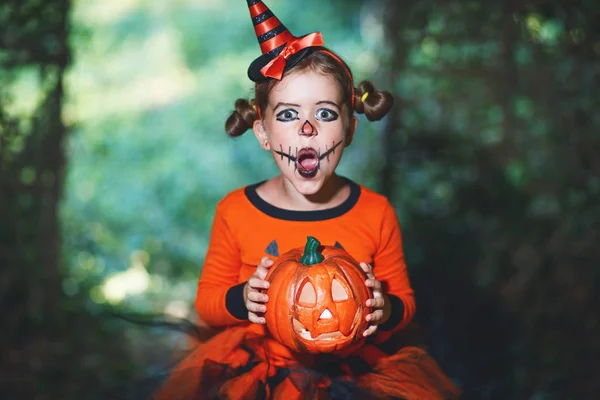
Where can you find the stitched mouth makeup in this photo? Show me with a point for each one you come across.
(307, 160)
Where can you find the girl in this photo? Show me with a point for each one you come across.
(303, 115)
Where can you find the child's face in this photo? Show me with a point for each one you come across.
(306, 128)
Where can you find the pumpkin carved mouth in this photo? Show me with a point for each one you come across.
(306, 335)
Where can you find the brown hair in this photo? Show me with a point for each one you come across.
(376, 105)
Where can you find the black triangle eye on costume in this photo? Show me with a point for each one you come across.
(272, 249)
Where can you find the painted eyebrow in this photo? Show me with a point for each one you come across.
(285, 104)
(329, 102)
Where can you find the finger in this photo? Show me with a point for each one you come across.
(366, 267)
(258, 297)
(375, 316)
(257, 283)
(261, 272)
(256, 319)
(368, 270)
(263, 267)
(256, 307)
(266, 262)
(370, 330)
(374, 303)
(373, 284)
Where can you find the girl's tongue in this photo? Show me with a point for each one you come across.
(308, 159)
(308, 163)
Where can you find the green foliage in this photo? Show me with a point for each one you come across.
(497, 151)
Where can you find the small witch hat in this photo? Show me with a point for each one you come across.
(280, 49)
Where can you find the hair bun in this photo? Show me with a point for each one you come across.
(376, 103)
(241, 119)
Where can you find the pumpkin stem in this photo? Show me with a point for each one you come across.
(311, 254)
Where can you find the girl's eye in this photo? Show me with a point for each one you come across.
(325, 114)
(287, 115)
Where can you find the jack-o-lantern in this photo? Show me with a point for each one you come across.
(317, 299)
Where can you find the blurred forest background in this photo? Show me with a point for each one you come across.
(113, 156)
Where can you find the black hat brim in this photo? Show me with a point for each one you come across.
(254, 70)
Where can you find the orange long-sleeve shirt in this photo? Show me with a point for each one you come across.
(246, 228)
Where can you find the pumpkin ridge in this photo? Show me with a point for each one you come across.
(358, 271)
(351, 272)
(281, 272)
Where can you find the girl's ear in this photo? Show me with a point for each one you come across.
(261, 134)
(351, 130)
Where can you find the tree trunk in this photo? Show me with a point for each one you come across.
(31, 177)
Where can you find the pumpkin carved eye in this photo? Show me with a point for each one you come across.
(308, 295)
(338, 293)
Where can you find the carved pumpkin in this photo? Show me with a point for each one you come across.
(317, 300)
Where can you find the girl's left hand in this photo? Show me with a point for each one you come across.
(379, 305)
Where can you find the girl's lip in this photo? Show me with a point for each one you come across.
(308, 174)
(307, 162)
(307, 151)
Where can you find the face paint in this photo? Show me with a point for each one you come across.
(307, 160)
(307, 128)
(305, 124)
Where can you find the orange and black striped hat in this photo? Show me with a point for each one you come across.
(280, 49)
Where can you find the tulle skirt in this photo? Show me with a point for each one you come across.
(242, 363)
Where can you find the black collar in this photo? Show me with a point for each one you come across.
(294, 215)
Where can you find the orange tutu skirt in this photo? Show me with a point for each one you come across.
(241, 363)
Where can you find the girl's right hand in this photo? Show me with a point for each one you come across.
(253, 297)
